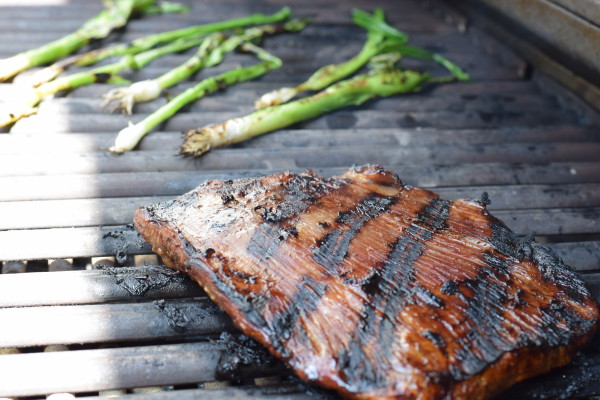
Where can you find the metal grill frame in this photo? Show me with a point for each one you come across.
(87, 309)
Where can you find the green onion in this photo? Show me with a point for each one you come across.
(209, 54)
(397, 42)
(376, 23)
(380, 83)
(150, 89)
(129, 137)
(30, 97)
(328, 74)
(115, 15)
(423, 54)
(382, 38)
(148, 42)
(164, 7)
(91, 57)
(254, 19)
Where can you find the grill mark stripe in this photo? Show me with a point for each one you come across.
(333, 247)
(485, 342)
(250, 310)
(298, 196)
(487, 339)
(308, 292)
(274, 231)
(391, 291)
(306, 300)
(434, 218)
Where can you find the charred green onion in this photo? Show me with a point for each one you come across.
(129, 137)
(355, 91)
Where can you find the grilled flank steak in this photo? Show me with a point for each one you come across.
(374, 288)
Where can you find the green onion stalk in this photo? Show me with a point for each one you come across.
(207, 56)
(115, 15)
(50, 72)
(151, 88)
(147, 42)
(30, 97)
(329, 74)
(382, 38)
(129, 137)
(397, 42)
(355, 91)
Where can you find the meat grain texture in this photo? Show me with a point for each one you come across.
(374, 288)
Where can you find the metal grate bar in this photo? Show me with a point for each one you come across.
(311, 156)
(168, 183)
(110, 323)
(73, 143)
(95, 286)
(346, 119)
(103, 369)
(276, 392)
(118, 211)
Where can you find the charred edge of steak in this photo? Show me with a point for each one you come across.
(177, 253)
(515, 366)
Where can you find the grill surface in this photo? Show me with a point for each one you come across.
(95, 313)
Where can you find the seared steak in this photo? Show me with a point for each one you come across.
(374, 288)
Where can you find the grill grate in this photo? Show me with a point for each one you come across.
(94, 313)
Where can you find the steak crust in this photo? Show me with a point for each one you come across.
(373, 288)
